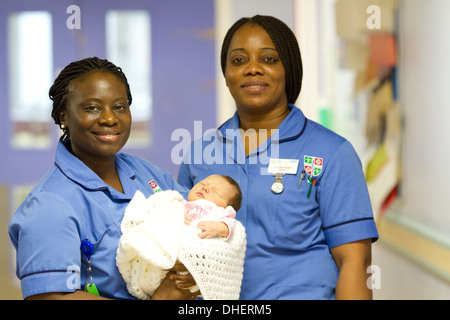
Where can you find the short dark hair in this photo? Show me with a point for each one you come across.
(286, 44)
(59, 89)
(236, 201)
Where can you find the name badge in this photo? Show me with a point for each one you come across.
(280, 167)
(283, 166)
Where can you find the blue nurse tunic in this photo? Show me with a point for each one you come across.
(290, 234)
(71, 204)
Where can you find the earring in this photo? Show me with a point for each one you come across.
(63, 126)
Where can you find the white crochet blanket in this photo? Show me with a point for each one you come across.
(154, 236)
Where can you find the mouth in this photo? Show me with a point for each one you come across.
(255, 87)
(200, 194)
(107, 136)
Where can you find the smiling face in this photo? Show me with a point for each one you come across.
(97, 115)
(214, 188)
(254, 72)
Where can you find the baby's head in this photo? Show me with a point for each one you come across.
(222, 190)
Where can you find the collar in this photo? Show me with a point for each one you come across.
(290, 129)
(75, 170)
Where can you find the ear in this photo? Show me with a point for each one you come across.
(62, 117)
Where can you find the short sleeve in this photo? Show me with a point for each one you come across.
(184, 177)
(172, 184)
(45, 233)
(345, 207)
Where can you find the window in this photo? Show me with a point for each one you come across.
(30, 75)
(128, 46)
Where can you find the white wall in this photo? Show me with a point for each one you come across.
(424, 79)
(424, 94)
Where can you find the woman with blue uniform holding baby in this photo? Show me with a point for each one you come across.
(67, 230)
(307, 211)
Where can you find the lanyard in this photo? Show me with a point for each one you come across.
(88, 249)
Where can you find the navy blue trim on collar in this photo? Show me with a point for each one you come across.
(79, 183)
(296, 136)
(288, 126)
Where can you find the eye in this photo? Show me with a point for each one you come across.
(120, 108)
(91, 108)
(238, 60)
(270, 59)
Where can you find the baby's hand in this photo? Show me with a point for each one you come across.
(187, 220)
(212, 228)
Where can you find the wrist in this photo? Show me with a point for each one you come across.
(224, 230)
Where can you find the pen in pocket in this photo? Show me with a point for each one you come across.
(311, 183)
(302, 177)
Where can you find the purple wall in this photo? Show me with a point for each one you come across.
(183, 73)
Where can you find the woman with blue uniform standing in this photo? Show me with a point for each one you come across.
(67, 230)
(305, 206)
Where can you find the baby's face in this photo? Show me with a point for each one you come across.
(215, 189)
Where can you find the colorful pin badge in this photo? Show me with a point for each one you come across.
(313, 165)
(154, 186)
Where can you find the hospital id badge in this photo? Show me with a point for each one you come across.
(280, 167)
(283, 166)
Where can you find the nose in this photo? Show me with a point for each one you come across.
(205, 188)
(254, 68)
(108, 117)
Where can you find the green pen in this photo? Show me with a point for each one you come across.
(311, 183)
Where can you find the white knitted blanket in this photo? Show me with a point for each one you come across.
(154, 237)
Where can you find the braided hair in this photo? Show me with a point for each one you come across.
(60, 87)
(286, 44)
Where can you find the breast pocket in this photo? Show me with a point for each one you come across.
(297, 218)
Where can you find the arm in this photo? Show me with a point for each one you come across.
(223, 227)
(352, 260)
(77, 295)
(212, 228)
(168, 289)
